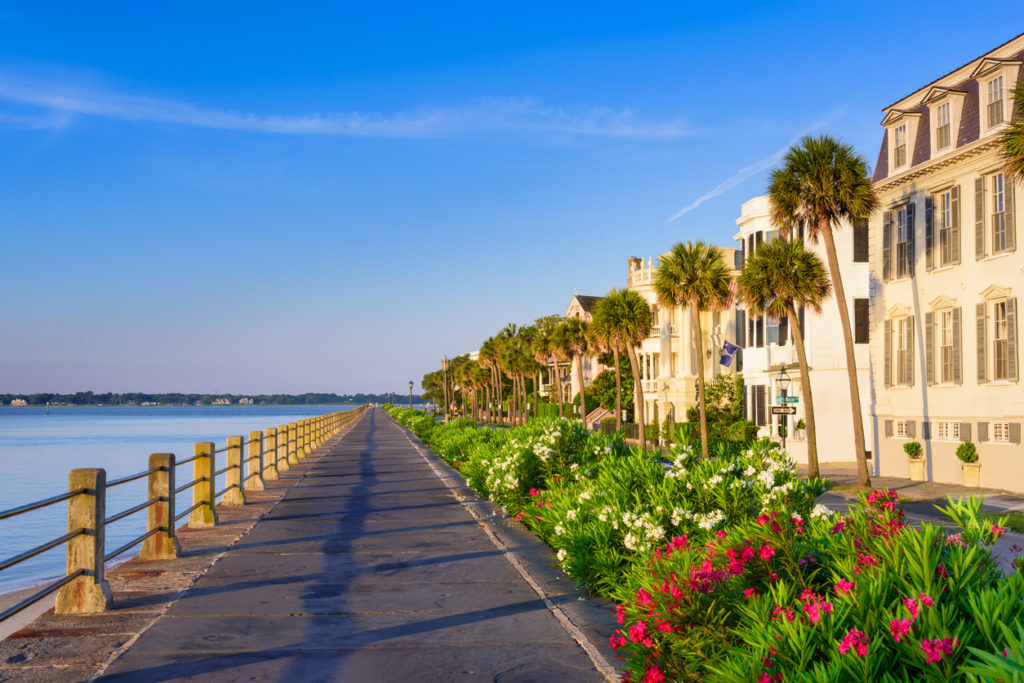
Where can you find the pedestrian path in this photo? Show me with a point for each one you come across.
(368, 569)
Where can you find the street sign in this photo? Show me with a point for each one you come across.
(783, 410)
(787, 399)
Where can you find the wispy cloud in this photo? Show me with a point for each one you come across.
(753, 169)
(487, 115)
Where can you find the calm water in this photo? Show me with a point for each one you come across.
(38, 450)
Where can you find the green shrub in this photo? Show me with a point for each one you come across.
(912, 449)
(967, 452)
(801, 425)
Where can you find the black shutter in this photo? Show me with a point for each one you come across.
(759, 326)
(1011, 230)
(929, 348)
(954, 231)
(887, 246)
(860, 241)
(979, 218)
(929, 232)
(887, 354)
(888, 427)
(1011, 339)
(741, 327)
(911, 234)
(803, 323)
(965, 431)
(911, 429)
(983, 431)
(1015, 432)
(861, 327)
(910, 351)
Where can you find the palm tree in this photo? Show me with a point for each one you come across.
(694, 275)
(489, 359)
(781, 276)
(822, 183)
(625, 317)
(575, 336)
(546, 349)
(1011, 140)
(600, 338)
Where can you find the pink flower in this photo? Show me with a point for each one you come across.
(519, 516)
(998, 531)
(926, 600)
(665, 627)
(620, 613)
(616, 641)
(643, 598)
(767, 552)
(899, 628)
(533, 492)
(654, 675)
(843, 586)
(912, 607)
(638, 631)
(721, 533)
(855, 640)
(934, 649)
(750, 593)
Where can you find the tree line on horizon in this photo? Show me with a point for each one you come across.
(89, 398)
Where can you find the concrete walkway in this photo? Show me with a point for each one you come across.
(372, 569)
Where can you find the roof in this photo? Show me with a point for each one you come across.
(587, 302)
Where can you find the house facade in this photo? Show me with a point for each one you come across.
(582, 307)
(767, 345)
(668, 362)
(947, 274)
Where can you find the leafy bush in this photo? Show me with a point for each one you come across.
(912, 449)
(967, 452)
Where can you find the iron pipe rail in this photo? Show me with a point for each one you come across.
(190, 484)
(28, 554)
(132, 511)
(186, 461)
(134, 542)
(35, 597)
(224, 469)
(29, 507)
(186, 512)
(133, 477)
(224, 490)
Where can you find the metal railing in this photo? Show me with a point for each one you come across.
(83, 589)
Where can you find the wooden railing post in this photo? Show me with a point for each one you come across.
(203, 492)
(233, 477)
(300, 439)
(254, 472)
(163, 545)
(282, 449)
(89, 593)
(270, 456)
(293, 447)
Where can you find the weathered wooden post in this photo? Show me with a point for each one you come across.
(88, 593)
(282, 449)
(307, 436)
(254, 475)
(163, 545)
(204, 515)
(270, 462)
(233, 477)
(293, 449)
(300, 439)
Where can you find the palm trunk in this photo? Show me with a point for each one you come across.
(558, 384)
(536, 404)
(695, 314)
(638, 396)
(805, 388)
(583, 397)
(501, 408)
(526, 409)
(863, 477)
(618, 392)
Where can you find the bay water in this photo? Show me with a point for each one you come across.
(39, 446)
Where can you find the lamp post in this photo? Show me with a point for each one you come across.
(410, 394)
(444, 367)
(782, 381)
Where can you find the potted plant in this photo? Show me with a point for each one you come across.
(801, 427)
(913, 451)
(968, 454)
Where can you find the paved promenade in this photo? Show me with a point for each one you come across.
(372, 567)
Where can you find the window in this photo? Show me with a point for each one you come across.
(946, 431)
(902, 429)
(903, 350)
(945, 216)
(998, 213)
(899, 148)
(942, 137)
(861, 324)
(1000, 360)
(1001, 432)
(995, 101)
(860, 242)
(903, 237)
(946, 349)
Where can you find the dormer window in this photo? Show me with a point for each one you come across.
(995, 101)
(900, 145)
(942, 126)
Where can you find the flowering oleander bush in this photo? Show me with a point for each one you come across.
(861, 597)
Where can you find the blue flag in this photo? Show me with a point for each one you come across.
(728, 353)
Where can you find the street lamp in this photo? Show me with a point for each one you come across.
(782, 382)
(410, 394)
(444, 366)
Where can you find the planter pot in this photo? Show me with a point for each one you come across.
(917, 469)
(972, 474)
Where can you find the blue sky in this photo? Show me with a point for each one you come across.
(263, 197)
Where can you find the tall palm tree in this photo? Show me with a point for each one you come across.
(489, 359)
(600, 338)
(1011, 140)
(780, 277)
(546, 345)
(694, 275)
(822, 183)
(561, 351)
(575, 336)
(625, 317)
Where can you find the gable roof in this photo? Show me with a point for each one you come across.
(587, 302)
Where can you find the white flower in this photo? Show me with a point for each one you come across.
(820, 511)
(559, 529)
(571, 514)
(631, 541)
(561, 555)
